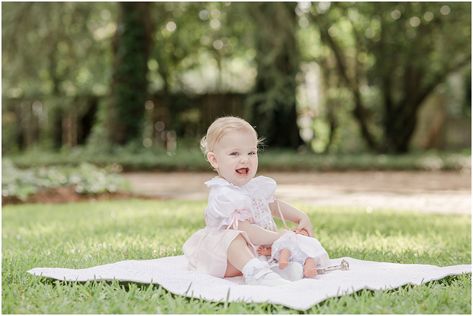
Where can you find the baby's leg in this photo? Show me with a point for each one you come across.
(284, 255)
(240, 260)
(232, 271)
(310, 268)
(238, 255)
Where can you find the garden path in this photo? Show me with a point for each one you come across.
(434, 192)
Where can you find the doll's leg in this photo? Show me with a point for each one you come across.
(284, 256)
(238, 255)
(310, 268)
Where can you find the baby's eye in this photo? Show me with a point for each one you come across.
(251, 153)
(234, 153)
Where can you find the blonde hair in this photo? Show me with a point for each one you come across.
(222, 126)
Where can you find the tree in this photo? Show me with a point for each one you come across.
(199, 45)
(272, 105)
(53, 54)
(400, 51)
(129, 87)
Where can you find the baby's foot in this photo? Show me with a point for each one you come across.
(310, 268)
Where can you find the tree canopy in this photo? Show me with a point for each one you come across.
(378, 62)
(400, 52)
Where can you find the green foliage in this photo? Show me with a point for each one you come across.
(86, 179)
(76, 59)
(199, 45)
(82, 235)
(391, 51)
(17, 182)
(75, 63)
(391, 57)
(191, 159)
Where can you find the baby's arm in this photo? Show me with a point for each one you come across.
(292, 214)
(259, 235)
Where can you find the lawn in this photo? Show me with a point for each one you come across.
(81, 235)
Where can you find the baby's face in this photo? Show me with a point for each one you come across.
(235, 156)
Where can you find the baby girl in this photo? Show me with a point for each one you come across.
(240, 210)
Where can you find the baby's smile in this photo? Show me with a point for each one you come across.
(242, 171)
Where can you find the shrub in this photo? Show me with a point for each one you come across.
(86, 179)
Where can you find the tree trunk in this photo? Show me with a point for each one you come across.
(125, 115)
(399, 130)
(272, 105)
(359, 111)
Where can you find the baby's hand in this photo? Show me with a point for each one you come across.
(301, 231)
(304, 223)
(264, 250)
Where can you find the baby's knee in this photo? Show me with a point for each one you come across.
(239, 240)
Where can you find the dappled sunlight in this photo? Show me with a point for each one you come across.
(36, 231)
(388, 244)
(83, 235)
(379, 247)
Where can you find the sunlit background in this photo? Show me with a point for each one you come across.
(323, 77)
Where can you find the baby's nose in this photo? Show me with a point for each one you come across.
(243, 158)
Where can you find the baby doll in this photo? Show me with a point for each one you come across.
(299, 247)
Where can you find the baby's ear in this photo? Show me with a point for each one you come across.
(212, 159)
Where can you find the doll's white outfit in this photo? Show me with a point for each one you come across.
(206, 250)
(301, 248)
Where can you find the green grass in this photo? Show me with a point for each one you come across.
(86, 234)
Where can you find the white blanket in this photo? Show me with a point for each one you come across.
(172, 273)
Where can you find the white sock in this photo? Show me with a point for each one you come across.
(293, 272)
(252, 266)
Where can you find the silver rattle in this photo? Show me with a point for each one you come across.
(342, 266)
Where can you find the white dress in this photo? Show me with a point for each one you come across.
(228, 204)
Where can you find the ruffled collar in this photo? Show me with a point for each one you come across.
(219, 181)
(258, 186)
